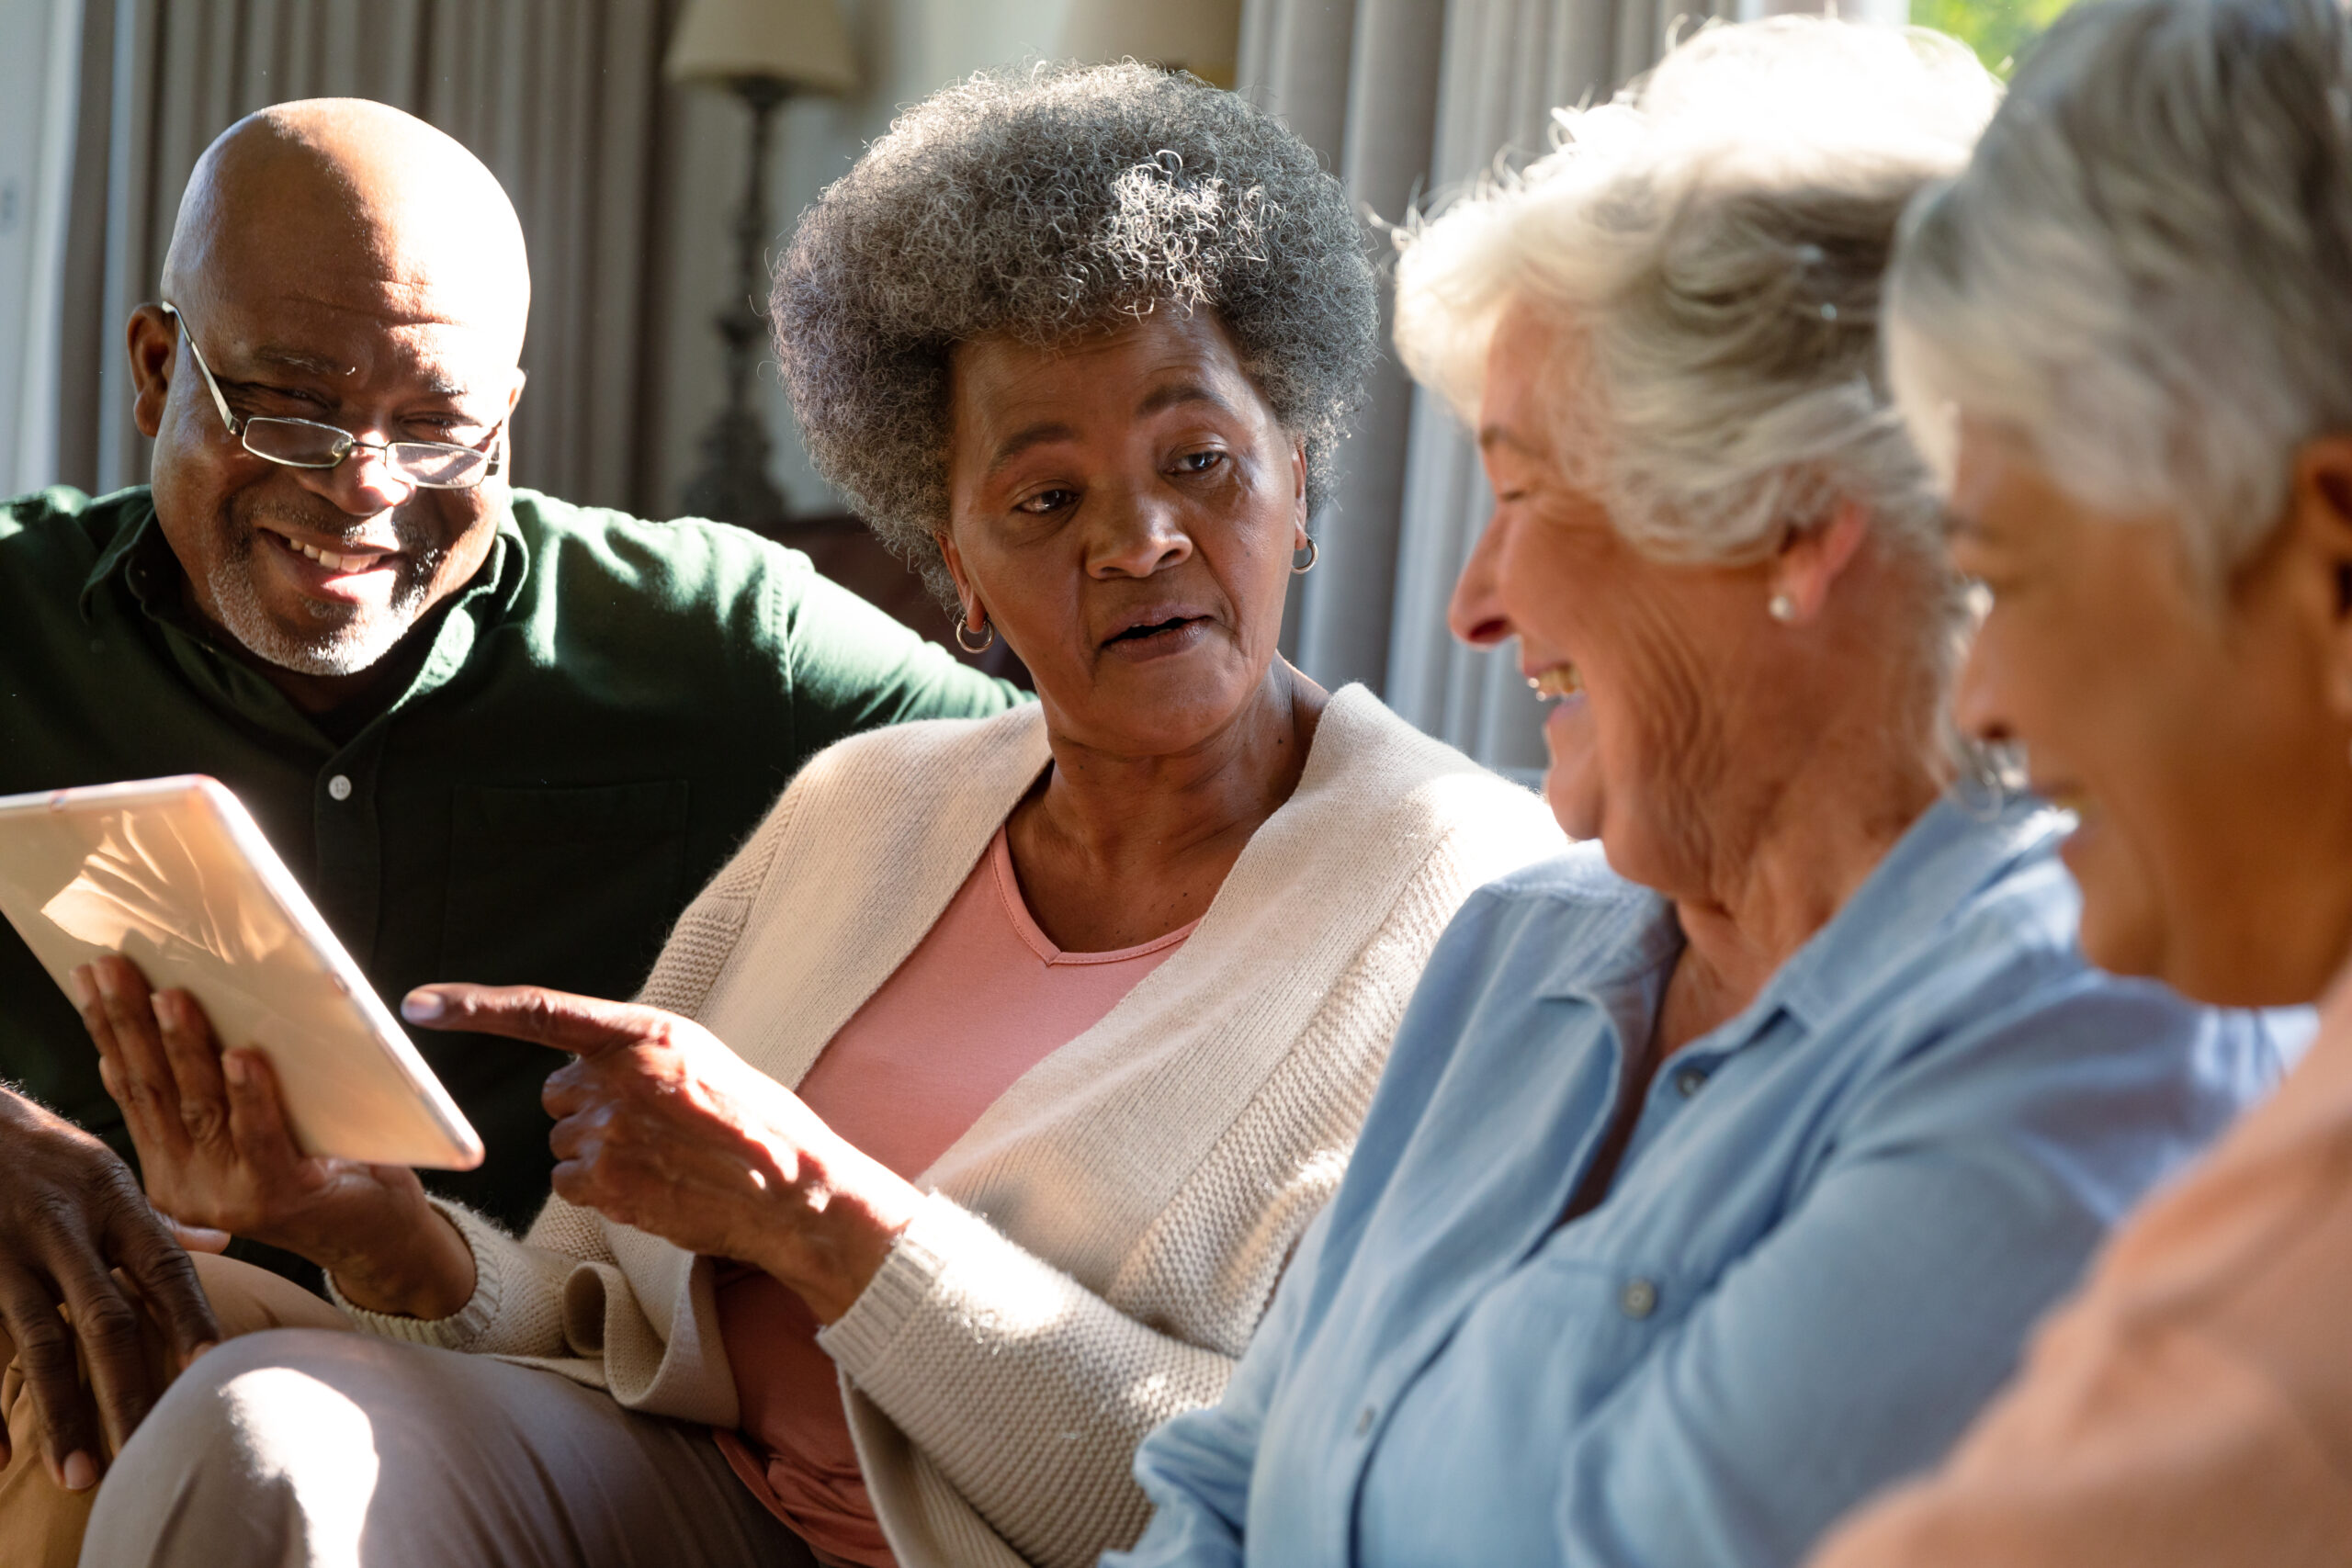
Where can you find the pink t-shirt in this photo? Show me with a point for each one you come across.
(984, 997)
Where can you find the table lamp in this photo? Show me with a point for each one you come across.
(763, 52)
(1199, 36)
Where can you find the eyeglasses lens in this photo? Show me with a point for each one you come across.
(303, 444)
(296, 440)
(446, 467)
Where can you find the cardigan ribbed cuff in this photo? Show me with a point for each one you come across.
(861, 1338)
(462, 1328)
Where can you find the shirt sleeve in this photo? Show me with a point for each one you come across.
(2177, 1453)
(1196, 1468)
(854, 667)
(1972, 1192)
(2188, 1407)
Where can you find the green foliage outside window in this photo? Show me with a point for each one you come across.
(1998, 31)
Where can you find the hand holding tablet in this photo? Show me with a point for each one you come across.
(267, 1089)
(215, 1151)
(173, 875)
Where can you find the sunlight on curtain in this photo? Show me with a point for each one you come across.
(38, 97)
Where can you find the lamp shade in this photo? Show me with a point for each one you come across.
(1202, 37)
(801, 42)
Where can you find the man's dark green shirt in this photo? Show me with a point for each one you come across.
(604, 712)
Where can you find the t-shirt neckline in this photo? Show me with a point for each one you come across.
(1024, 925)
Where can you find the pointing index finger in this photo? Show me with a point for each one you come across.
(586, 1026)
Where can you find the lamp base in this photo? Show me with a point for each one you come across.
(733, 486)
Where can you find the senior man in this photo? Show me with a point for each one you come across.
(496, 737)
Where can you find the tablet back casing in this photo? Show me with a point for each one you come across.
(173, 875)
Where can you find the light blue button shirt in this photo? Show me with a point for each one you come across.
(1838, 1216)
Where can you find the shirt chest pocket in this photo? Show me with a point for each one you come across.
(572, 888)
(1590, 1322)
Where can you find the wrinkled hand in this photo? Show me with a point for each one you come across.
(663, 1128)
(215, 1152)
(69, 1213)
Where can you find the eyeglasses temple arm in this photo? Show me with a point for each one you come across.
(210, 385)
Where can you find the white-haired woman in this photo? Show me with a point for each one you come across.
(1081, 1009)
(2127, 325)
(1720, 1165)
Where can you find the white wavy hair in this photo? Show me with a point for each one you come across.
(1714, 241)
(2146, 270)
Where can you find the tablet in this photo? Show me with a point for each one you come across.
(173, 875)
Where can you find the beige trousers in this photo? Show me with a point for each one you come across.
(40, 1523)
(313, 1445)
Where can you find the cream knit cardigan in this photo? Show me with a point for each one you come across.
(1096, 1248)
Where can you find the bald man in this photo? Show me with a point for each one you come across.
(497, 738)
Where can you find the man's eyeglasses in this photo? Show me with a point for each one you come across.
(306, 443)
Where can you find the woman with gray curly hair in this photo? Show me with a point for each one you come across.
(1721, 1164)
(970, 1115)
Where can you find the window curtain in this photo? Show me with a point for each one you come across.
(1407, 100)
(561, 98)
(37, 124)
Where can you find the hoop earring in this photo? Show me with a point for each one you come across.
(1313, 551)
(986, 643)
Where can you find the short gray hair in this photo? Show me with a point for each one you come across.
(1041, 203)
(1715, 238)
(2146, 271)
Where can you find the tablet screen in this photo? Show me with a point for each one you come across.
(173, 875)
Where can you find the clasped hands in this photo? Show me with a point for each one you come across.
(659, 1127)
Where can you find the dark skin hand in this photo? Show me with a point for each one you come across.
(70, 1213)
(661, 1127)
(216, 1151)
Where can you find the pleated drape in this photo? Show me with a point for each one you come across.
(561, 98)
(1407, 100)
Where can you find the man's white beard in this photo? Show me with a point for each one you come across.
(348, 640)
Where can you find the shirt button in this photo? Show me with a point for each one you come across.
(339, 787)
(1364, 1419)
(1638, 1299)
(1688, 1082)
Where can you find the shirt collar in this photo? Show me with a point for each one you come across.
(1940, 861)
(133, 540)
(1621, 934)
(1945, 858)
(143, 558)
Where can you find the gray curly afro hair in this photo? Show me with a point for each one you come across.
(1042, 202)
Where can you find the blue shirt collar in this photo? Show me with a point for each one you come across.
(1941, 860)
(1944, 858)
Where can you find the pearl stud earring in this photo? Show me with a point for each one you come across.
(1781, 608)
